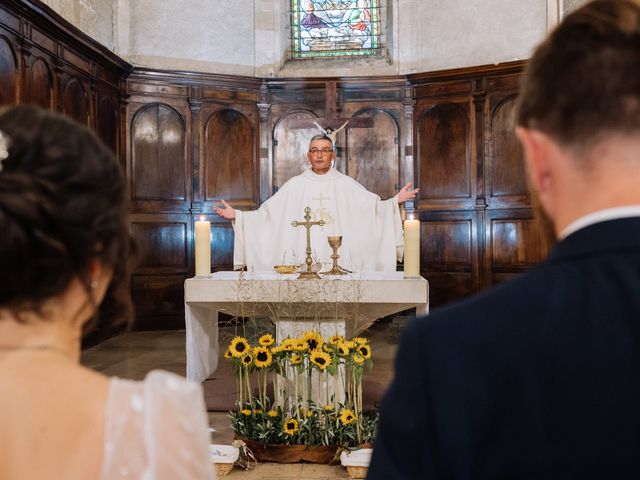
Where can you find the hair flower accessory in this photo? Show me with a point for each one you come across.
(4, 147)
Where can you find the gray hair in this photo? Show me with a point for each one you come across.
(320, 136)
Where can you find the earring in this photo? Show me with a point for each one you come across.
(93, 284)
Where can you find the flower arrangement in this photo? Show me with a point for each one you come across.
(318, 393)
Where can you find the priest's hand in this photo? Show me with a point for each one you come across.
(227, 212)
(407, 193)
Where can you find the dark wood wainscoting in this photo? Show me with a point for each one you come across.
(478, 228)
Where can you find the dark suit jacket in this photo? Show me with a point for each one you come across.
(535, 379)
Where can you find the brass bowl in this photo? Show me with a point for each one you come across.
(285, 269)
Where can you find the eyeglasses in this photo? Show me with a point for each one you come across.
(324, 151)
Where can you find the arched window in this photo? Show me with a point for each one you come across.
(335, 28)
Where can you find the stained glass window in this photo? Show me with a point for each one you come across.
(334, 28)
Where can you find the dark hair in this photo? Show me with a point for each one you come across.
(583, 81)
(62, 205)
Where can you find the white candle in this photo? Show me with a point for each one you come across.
(203, 247)
(412, 248)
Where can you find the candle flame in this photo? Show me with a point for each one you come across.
(202, 218)
(411, 216)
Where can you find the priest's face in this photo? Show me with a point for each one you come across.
(320, 156)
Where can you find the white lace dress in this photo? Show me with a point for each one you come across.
(156, 430)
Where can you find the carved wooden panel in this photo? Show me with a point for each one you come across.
(8, 72)
(516, 242)
(75, 101)
(158, 160)
(40, 84)
(449, 254)
(229, 157)
(444, 153)
(156, 295)
(507, 173)
(374, 153)
(161, 244)
(107, 122)
(291, 146)
(447, 243)
(221, 246)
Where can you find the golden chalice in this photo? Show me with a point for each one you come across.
(334, 243)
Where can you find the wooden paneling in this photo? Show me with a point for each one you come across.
(444, 153)
(75, 101)
(374, 153)
(156, 296)
(507, 170)
(158, 162)
(161, 244)
(222, 246)
(40, 84)
(447, 243)
(108, 122)
(229, 160)
(8, 72)
(514, 243)
(291, 146)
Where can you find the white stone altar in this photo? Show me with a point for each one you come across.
(344, 305)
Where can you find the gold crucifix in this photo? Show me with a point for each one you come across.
(308, 223)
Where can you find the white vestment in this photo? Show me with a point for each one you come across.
(371, 228)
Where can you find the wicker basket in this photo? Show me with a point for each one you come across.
(357, 472)
(223, 469)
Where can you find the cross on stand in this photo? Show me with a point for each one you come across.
(331, 122)
(308, 224)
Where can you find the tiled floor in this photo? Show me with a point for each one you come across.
(134, 354)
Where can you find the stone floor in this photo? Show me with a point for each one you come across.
(134, 354)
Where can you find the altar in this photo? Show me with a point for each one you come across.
(344, 305)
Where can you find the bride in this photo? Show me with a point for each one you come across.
(64, 253)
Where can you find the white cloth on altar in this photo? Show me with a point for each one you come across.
(371, 229)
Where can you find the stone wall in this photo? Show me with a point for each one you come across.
(93, 17)
(251, 37)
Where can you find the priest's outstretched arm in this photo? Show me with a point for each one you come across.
(406, 193)
(227, 212)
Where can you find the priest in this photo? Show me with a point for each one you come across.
(371, 228)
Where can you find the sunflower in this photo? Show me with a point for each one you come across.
(247, 359)
(313, 339)
(272, 413)
(296, 359)
(358, 359)
(257, 411)
(364, 350)
(239, 346)
(328, 408)
(351, 344)
(336, 339)
(266, 340)
(228, 355)
(360, 340)
(263, 357)
(320, 359)
(246, 412)
(290, 426)
(308, 413)
(347, 417)
(299, 345)
(288, 344)
(327, 348)
(277, 349)
(343, 349)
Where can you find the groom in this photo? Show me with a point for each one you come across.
(540, 378)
